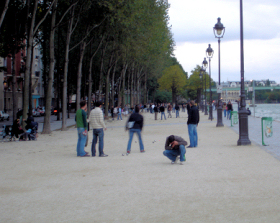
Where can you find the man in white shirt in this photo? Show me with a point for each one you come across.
(96, 121)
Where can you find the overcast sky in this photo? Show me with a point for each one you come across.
(192, 27)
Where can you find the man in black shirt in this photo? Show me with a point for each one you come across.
(193, 120)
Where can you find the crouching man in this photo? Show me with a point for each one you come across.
(175, 149)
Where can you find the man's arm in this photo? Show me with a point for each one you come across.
(180, 141)
(167, 147)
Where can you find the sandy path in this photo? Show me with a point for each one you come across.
(44, 181)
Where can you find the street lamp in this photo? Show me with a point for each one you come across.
(243, 117)
(209, 55)
(219, 31)
(201, 77)
(205, 65)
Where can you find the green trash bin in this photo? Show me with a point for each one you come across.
(234, 118)
(267, 131)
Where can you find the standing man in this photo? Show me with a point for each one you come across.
(161, 109)
(177, 108)
(169, 109)
(193, 120)
(137, 127)
(120, 113)
(175, 149)
(156, 111)
(81, 122)
(97, 124)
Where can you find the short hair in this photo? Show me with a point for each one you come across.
(171, 138)
(192, 102)
(137, 109)
(83, 103)
(98, 103)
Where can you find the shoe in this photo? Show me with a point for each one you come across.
(176, 160)
(128, 152)
(93, 155)
(190, 147)
(182, 163)
(142, 151)
(86, 155)
(103, 155)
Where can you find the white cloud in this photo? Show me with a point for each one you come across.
(192, 25)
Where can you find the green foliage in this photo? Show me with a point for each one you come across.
(163, 96)
(173, 78)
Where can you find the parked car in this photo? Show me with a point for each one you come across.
(35, 113)
(4, 116)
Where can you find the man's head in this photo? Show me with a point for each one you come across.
(192, 103)
(171, 139)
(98, 103)
(137, 109)
(83, 104)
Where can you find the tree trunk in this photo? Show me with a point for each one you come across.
(28, 61)
(79, 75)
(123, 82)
(145, 89)
(47, 125)
(4, 12)
(14, 94)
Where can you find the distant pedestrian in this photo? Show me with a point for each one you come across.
(156, 111)
(177, 108)
(175, 149)
(161, 109)
(137, 121)
(120, 113)
(112, 112)
(193, 121)
(229, 110)
(96, 121)
(169, 109)
(225, 109)
(81, 122)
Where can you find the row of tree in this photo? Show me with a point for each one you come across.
(111, 47)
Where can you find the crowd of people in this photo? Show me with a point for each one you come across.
(174, 147)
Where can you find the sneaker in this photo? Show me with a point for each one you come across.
(182, 163)
(142, 151)
(86, 155)
(128, 152)
(103, 155)
(176, 160)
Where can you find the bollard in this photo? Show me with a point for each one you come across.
(234, 118)
(266, 128)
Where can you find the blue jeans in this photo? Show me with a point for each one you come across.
(229, 114)
(163, 113)
(177, 113)
(192, 135)
(131, 133)
(100, 134)
(225, 112)
(119, 116)
(172, 154)
(81, 142)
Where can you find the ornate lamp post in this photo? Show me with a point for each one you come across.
(205, 65)
(209, 55)
(201, 77)
(243, 117)
(219, 31)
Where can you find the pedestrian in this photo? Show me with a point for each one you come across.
(96, 121)
(120, 113)
(161, 109)
(229, 110)
(225, 109)
(177, 108)
(137, 122)
(248, 111)
(81, 122)
(169, 109)
(156, 111)
(112, 112)
(175, 149)
(193, 120)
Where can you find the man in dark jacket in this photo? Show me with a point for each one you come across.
(138, 121)
(193, 121)
(175, 149)
(161, 108)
